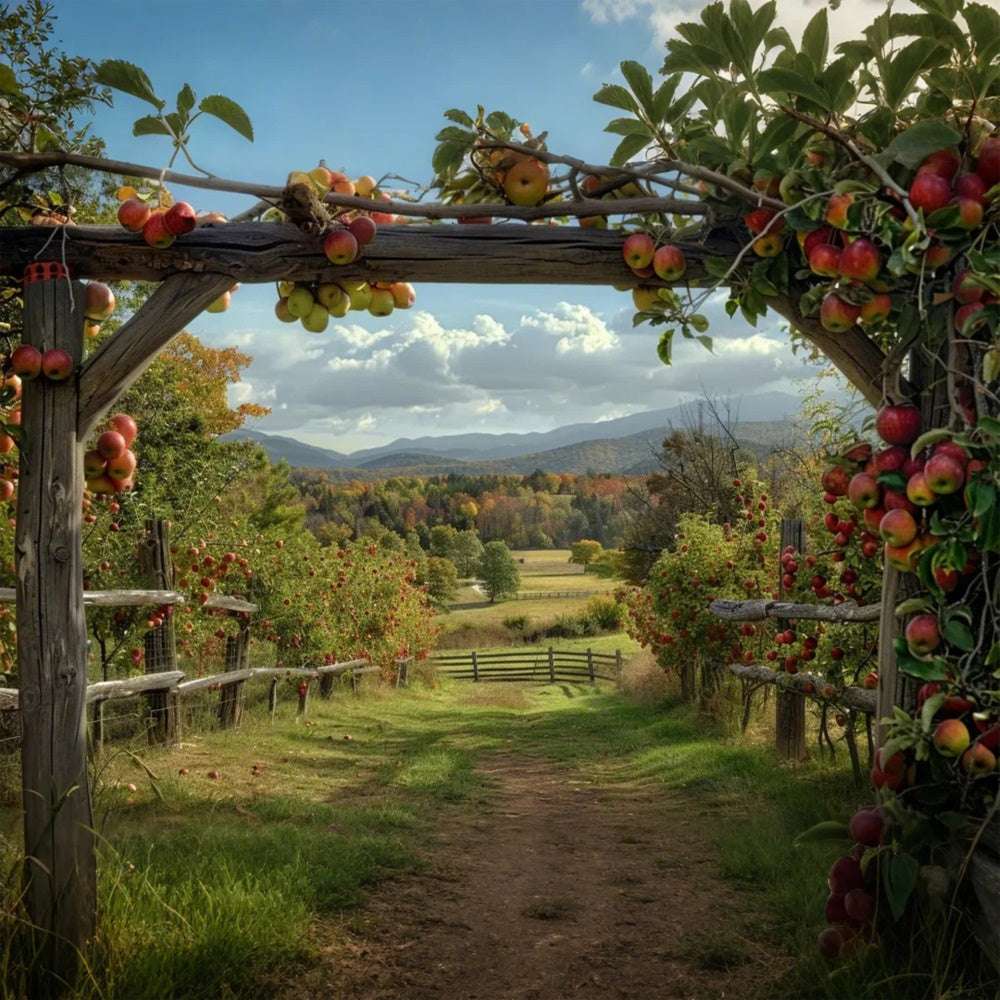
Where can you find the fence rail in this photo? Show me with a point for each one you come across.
(545, 665)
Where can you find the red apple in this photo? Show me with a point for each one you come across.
(918, 490)
(98, 300)
(123, 466)
(527, 182)
(638, 250)
(824, 259)
(867, 827)
(845, 874)
(837, 315)
(110, 445)
(950, 737)
(978, 761)
(988, 163)
(836, 480)
(57, 364)
(26, 361)
(929, 191)
(837, 210)
(363, 228)
(922, 634)
(340, 247)
(132, 214)
(126, 426)
(898, 423)
(970, 212)
(94, 464)
(945, 474)
(970, 186)
(860, 260)
(155, 231)
(180, 218)
(864, 491)
(669, 263)
(877, 309)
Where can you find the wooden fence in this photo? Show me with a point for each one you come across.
(543, 665)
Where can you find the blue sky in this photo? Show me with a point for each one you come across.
(363, 86)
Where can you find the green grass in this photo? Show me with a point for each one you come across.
(209, 886)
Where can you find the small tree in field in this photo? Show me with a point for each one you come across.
(584, 552)
(498, 572)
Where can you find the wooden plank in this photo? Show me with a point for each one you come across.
(60, 894)
(198, 683)
(113, 598)
(235, 604)
(128, 687)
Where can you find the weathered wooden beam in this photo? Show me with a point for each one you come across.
(859, 699)
(113, 598)
(759, 610)
(121, 359)
(128, 687)
(60, 865)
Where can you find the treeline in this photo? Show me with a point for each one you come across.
(538, 511)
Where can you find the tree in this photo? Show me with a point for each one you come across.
(440, 578)
(498, 572)
(584, 552)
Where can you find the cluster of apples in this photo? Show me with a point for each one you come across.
(646, 260)
(949, 197)
(109, 466)
(853, 905)
(160, 224)
(521, 178)
(897, 488)
(313, 303)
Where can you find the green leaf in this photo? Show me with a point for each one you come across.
(459, 117)
(150, 125)
(777, 82)
(663, 346)
(899, 878)
(459, 135)
(121, 75)
(904, 69)
(616, 96)
(629, 126)
(705, 342)
(628, 148)
(959, 635)
(923, 670)
(185, 101)
(716, 267)
(828, 829)
(638, 78)
(8, 82)
(816, 39)
(664, 97)
(230, 112)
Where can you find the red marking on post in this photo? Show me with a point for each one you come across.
(48, 270)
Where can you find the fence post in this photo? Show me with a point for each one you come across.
(97, 727)
(272, 697)
(160, 650)
(303, 696)
(552, 666)
(618, 667)
(790, 705)
(475, 666)
(590, 665)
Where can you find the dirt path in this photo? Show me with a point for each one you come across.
(555, 889)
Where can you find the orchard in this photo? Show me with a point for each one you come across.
(852, 192)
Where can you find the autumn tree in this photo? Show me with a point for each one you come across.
(498, 573)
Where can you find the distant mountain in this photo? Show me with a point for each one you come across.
(613, 446)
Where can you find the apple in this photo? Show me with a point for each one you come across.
(757, 220)
(836, 480)
(300, 301)
(898, 423)
(887, 772)
(965, 288)
(970, 186)
(824, 260)
(845, 874)
(330, 294)
(526, 182)
(903, 557)
(94, 464)
(110, 445)
(950, 737)
(890, 459)
(943, 162)
(638, 250)
(281, 310)
(769, 245)
(860, 260)
(929, 191)
(317, 319)
(26, 361)
(210, 218)
(381, 303)
(945, 474)
(155, 231)
(947, 579)
(967, 316)
(837, 210)
(868, 827)
(836, 941)
(221, 304)
(359, 294)
(341, 247)
(837, 315)
(57, 364)
(978, 761)
(321, 177)
(132, 214)
(669, 263)
(863, 490)
(922, 634)
(126, 426)
(988, 162)
(98, 300)
(363, 228)
(403, 294)
(122, 467)
(859, 904)
(646, 298)
(892, 500)
(918, 490)
(365, 186)
(180, 218)
(970, 212)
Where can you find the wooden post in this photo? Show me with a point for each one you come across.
(590, 665)
(97, 725)
(161, 652)
(60, 893)
(790, 705)
(475, 667)
(618, 667)
(552, 666)
(303, 696)
(272, 698)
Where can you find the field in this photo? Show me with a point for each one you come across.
(552, 588)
